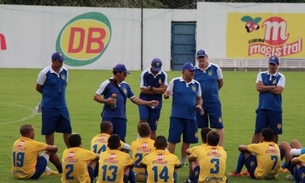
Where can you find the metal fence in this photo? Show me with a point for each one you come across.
(170, 4)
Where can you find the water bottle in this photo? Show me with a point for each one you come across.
(113, 96)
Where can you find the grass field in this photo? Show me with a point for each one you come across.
(239, 97)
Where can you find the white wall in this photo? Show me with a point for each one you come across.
(31, 32)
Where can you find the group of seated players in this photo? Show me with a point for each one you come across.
(147, 160)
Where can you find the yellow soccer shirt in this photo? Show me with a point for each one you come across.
(212, 161)
(193, 149)
(75, 165)
(24, 157)
(99, 143)
(160, 166)
(139, 149)
(268, 159)
(301, 158)
(112, 164)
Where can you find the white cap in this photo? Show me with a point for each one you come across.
(126, 147)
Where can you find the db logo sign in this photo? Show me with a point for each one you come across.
(84, 39)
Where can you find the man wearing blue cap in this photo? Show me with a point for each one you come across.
(210, 77)
(186, 93)
(153, 83)
(270, 85)
(51, 83)
(115, 92)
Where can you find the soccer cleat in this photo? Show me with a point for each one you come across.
(233, 174)
(246, 173)
(289, 177)
(51, 172)
(188, 181)
(283, 170)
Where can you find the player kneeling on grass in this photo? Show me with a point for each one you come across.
(261, 159)
(161, 164)
(26, 163)
(78, 163)
(212, 160)
(114, 165)
(194, 168)
(140, 148)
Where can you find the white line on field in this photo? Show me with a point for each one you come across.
(33, 114)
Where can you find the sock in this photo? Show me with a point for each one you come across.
(175, 177)
(132, 177)
(284, 165)
(182, 161)
(126, 179)
(59, 168)
(240, 163)
(194, 174)
(47, 169)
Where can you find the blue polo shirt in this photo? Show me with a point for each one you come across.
(208, 80)
(54, 87)
(149, 79)
(184, 97)
(268, 100)
(107, 89)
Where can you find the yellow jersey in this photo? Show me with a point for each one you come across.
(99, 143)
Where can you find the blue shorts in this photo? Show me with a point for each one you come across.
(196, 172)
(119, 126)
(268, 119)
(212, 112)
(251, 165)
(299, 174)
(91, 173)
(40, 167)
(55, 120)
(187, 127)
(150, 115)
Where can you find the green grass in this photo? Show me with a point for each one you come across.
(239, 97)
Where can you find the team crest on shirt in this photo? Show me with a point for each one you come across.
(196, 134)
(63, 76)
(125, 91)
(302, 175)
(71, 157)
(220, 119)
(210, 73)
(194, 88)
(252, 163)
(144, 145)
(160, 80)
(279, 126)
(274, 81)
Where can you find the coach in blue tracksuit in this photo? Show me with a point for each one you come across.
(270, 85)
(186, 93)
(114, 109)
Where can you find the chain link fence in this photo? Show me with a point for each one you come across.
(170, 4)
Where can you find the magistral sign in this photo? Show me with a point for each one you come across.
(84, 38)
(264, 34)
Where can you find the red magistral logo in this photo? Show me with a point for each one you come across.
(112, 156)
(144, 145)
(102, 137)
(160, 157)
(71, 154)
(20, 143)
(2, 42)
(214, 151)
(275, 40)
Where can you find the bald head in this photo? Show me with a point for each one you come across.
(26, 129)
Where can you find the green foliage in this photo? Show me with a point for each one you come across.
(239, 97)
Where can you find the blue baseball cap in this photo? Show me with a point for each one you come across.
(58, 56)
(274, 60)
(188, 66)
(120, 68)
(156, 64)
(201, 53)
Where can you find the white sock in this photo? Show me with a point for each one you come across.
(47, 169)
(295, 152)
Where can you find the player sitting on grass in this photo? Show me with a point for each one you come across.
(78, 163)
(194, 168)
(114, 165)
(161, 164)
(140, 148)
(26, 163)
(261, 159)
(212, 160)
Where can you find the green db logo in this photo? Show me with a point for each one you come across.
(84, 39)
